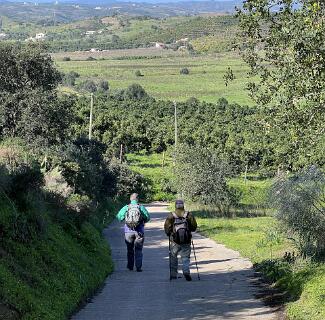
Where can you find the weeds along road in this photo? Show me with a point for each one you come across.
(226, 289)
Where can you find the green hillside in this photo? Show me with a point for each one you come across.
(124, 31)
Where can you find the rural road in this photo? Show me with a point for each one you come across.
(226, 289)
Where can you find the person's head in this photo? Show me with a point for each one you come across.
(134, 196)
(179, 204)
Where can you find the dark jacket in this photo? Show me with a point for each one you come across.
(169, 223)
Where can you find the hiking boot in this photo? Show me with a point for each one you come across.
(187, 277)
(131, 269)
(139, 270)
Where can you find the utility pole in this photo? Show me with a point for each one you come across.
(121, 153)
(176, 133)
(91, 115)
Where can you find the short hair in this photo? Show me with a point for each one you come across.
(179, 204)
(134, 196)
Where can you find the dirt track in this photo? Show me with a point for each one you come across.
(226, 289)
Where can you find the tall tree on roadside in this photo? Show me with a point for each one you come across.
(30, 107)
(283, 42)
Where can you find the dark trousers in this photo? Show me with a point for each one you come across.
(134, 243)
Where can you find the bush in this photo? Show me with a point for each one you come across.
(135, 91)
(201, 176)
(301, 209)
(88, 85)
(69, 79)
(66, 59)
(128, 182)
(138, 73)
(103, 85)
(184, 71)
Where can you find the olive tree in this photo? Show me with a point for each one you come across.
(300, 203)
(283, 44)
(200, 176)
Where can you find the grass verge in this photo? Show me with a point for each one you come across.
(48, 276)
(256, 239)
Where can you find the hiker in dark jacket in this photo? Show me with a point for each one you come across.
(178, 227)
(135, 216)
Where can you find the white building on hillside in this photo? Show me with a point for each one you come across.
(90, 32)
(40, 36)
(160, 45)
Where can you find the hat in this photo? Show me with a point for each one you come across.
(179, 204)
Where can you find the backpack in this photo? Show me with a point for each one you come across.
(181, 231)
(133, 216)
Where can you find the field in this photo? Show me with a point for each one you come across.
(161, 76)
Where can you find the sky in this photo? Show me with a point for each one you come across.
(97, 2)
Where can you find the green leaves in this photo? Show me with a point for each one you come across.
(201, 176)
(283, 43)
(301, 208)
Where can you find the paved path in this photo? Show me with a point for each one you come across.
(226, 289)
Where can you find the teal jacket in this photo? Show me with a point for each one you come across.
(146, 217)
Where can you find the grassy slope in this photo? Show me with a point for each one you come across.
(162, 78)
(48, 277)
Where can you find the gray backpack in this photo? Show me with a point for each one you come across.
(181, 232)
(133, 216)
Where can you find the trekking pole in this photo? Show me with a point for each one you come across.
(170, 264)
(197, 268)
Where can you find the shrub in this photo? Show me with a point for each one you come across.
(88, 85)
(82, 206)
(138, 73)
(70, 78)
(103, 85)
(128, 181)
(66, 59)
(135, 91)
(184, 71)
(201, 176)
(299, 200)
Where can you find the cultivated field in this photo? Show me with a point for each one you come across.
(161, 73)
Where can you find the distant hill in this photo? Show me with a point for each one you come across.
(72, 10)
(204, 33)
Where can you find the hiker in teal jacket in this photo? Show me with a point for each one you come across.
(134, 237)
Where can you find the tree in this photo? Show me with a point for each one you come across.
(135, 91)
(26, 67)
(29, 105)
(300, 201)
(282, 42)
(103, 85)
(88, 85)
(201, 176)
(184, 71)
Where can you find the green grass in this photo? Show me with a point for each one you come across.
(47, 277)
(254, 191)
(304, 281)
(311, 303)
(159, 177)
(242, 234)
(162, 78)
